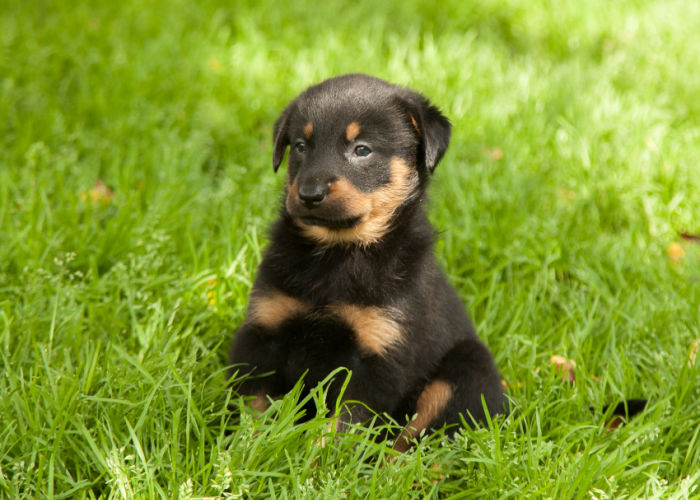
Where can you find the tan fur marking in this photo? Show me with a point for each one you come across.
(271, 309)
(431, 402)
(308, 130)
(331, 427)
(376, 329)
(415, 124)
(353, 200)
(292, 193)
(376, 208)
(352, 131)
(259, 403)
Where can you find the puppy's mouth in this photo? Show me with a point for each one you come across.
(344, 223)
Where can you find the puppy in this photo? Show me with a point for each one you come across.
(349, 278)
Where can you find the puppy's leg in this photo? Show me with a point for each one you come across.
(465, 373)
(256, 351)
(374, 388)
(432, 402)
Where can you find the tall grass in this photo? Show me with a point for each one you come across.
(135, 191)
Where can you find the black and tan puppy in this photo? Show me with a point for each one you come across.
(349, 278)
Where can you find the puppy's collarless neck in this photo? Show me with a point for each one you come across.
(409, 227)
(349, 273)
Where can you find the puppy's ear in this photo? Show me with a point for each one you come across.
(280, 138)
(433, 128)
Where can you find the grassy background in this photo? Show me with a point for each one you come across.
(573, 166)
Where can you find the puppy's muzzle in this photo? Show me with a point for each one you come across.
(311, 196)
(312, 192)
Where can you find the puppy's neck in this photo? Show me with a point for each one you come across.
(409, 226)
(318, 274)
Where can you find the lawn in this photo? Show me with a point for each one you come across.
(136, 187)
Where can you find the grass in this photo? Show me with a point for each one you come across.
(573, 167)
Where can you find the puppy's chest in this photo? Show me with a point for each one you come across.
(336, 333)
(317, 344)
(334, 277)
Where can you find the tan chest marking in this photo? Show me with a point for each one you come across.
(376, 329)
(431, 402)
(272, 308)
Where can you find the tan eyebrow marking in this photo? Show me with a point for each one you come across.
(352, 131)
(308, 130)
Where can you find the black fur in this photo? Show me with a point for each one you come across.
(396, 274)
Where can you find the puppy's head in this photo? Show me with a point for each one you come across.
(360, 151)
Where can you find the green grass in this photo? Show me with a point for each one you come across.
(573, 166)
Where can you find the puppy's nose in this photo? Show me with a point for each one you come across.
(313, 195)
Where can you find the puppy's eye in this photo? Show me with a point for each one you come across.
(362, 150)
(300, 147)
